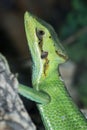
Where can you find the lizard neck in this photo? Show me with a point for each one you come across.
(52, 74)
(45, 72)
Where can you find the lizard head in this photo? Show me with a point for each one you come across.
(44, 45)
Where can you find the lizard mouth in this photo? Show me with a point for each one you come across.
(65, 57)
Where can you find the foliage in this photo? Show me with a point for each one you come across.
(76, 26)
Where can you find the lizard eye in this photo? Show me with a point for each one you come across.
(39, 34)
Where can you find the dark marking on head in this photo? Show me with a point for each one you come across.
(39, 42)
(40, 34)
(46, 65)
(49, 36)
(61, 55)
(44, 54)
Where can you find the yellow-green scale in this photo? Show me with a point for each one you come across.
(61, 113)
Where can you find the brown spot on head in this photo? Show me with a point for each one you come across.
(49, 36)
(44, 54)
(46, 65)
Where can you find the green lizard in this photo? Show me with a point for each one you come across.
(56, 107)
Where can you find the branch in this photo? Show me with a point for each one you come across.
(13, 115)
(73, 37)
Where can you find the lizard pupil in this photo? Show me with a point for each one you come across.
(41, 32)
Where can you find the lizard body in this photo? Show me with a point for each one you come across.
(59, 112)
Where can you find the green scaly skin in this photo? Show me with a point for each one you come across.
(60, 113)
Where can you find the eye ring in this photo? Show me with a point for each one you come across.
(39, 33)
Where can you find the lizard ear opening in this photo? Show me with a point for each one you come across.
(44, 54)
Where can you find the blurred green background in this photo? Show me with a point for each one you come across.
(69, 18)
